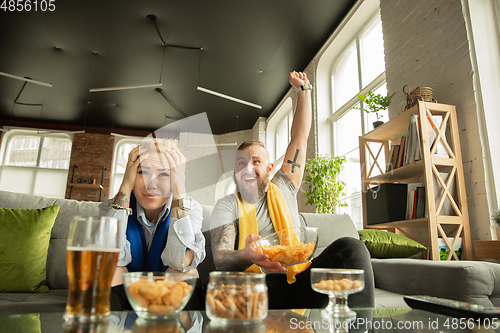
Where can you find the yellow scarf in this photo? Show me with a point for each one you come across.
(280, 216)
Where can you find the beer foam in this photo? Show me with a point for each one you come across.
(92, 248)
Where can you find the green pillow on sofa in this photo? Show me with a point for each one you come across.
(24, 242)
(385, 244)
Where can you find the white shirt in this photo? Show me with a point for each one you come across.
(183, 234)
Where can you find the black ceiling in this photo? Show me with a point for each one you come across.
(248, 47)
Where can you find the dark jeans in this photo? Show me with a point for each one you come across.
(119, 301)
(346, 252)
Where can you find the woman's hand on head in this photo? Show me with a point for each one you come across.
(177, 163)
(134, 159)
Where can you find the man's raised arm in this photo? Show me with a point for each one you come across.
(295, 156)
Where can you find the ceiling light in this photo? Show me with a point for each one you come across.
(155, 85)
(237, 100)
(58, 131)
(26, 80)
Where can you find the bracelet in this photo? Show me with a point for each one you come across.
(118, 207)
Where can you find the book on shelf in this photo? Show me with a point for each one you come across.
(414, 146)
(393, 157)
(402, 147)
(421, 203)
(411, 141)
(389, 164)
(414, 204)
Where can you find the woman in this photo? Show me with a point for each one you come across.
(150, 202)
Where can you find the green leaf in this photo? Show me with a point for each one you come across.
(324, 189)
(374, 103)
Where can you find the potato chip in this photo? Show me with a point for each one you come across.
(289, 254)
(160, 296)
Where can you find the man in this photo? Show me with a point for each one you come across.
(253, 211)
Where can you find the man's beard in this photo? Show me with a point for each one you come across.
(252, 195)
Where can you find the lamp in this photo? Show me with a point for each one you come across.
(154, 85)
(26, 79)
(152, 18)
(234, 99)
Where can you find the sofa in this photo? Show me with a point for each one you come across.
(471, 281)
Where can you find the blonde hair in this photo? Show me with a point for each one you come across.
(161, 145)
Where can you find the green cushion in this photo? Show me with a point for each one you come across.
(385, 244)
(389, 312)
(21, 323)
(24, 242)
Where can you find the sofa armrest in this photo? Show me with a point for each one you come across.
(467, 281)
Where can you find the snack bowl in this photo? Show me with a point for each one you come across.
(290, 246)
(236, 298)
(338, 284)
(158, 295)
(171, 325)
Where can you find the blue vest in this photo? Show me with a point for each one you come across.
(142, 259)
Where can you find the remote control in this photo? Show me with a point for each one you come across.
(452, 308)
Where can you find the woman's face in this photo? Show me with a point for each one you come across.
(152, 183)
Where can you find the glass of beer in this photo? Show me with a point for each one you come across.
(92, 254)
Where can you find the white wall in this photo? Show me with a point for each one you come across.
(427, 44)
(486, 37)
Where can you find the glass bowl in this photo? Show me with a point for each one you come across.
(290, 246)
(236, 298)
(338, 284)
(171, 325)
(158, 295)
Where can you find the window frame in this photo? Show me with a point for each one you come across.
(283, 110)
(119, 141)
(31, 187)
(337, 114)
(8, 136)
(287, 119)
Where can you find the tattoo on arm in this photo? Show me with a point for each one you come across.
(294, 162)
(225, 257)
(121, 199)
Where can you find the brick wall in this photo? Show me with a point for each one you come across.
(427, 44)
(90, 152)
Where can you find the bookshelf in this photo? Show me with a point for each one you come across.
(440, 192)
(99, 187)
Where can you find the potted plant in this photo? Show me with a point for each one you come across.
(324, 187)
(374, 104)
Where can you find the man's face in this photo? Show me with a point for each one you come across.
(152, 182)
(252, 172)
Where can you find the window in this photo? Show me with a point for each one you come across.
(283, 134)
(359, 69)
(35, 163)
(278, 130)
(122, 149)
